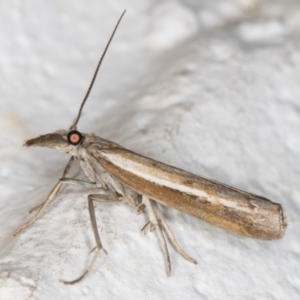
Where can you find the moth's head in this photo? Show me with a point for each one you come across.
(63, 140)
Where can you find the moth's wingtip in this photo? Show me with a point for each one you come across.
(283, 221)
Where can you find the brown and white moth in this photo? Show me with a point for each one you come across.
(120, 175)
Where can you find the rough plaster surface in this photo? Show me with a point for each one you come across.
(210, 87)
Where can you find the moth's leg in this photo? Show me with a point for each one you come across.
(91, 198)
(36, 207)
(56, 187)
(172, 239)
(73, 181)
(139, 208)
(104, 198)
(79, 183)
(50, 197)
(154, 221)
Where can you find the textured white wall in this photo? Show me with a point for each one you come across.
(210, 87)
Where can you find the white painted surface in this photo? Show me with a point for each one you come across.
(210, 87)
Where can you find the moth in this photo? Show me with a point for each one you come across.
(120, 175)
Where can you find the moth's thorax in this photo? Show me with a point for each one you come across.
(83, 150)
(90, 140)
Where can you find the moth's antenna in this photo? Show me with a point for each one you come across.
(74, 125)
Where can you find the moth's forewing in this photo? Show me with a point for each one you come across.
(218, 204)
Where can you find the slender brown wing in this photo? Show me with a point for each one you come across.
(216, 203)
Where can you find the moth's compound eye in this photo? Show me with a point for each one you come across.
(74, 137)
